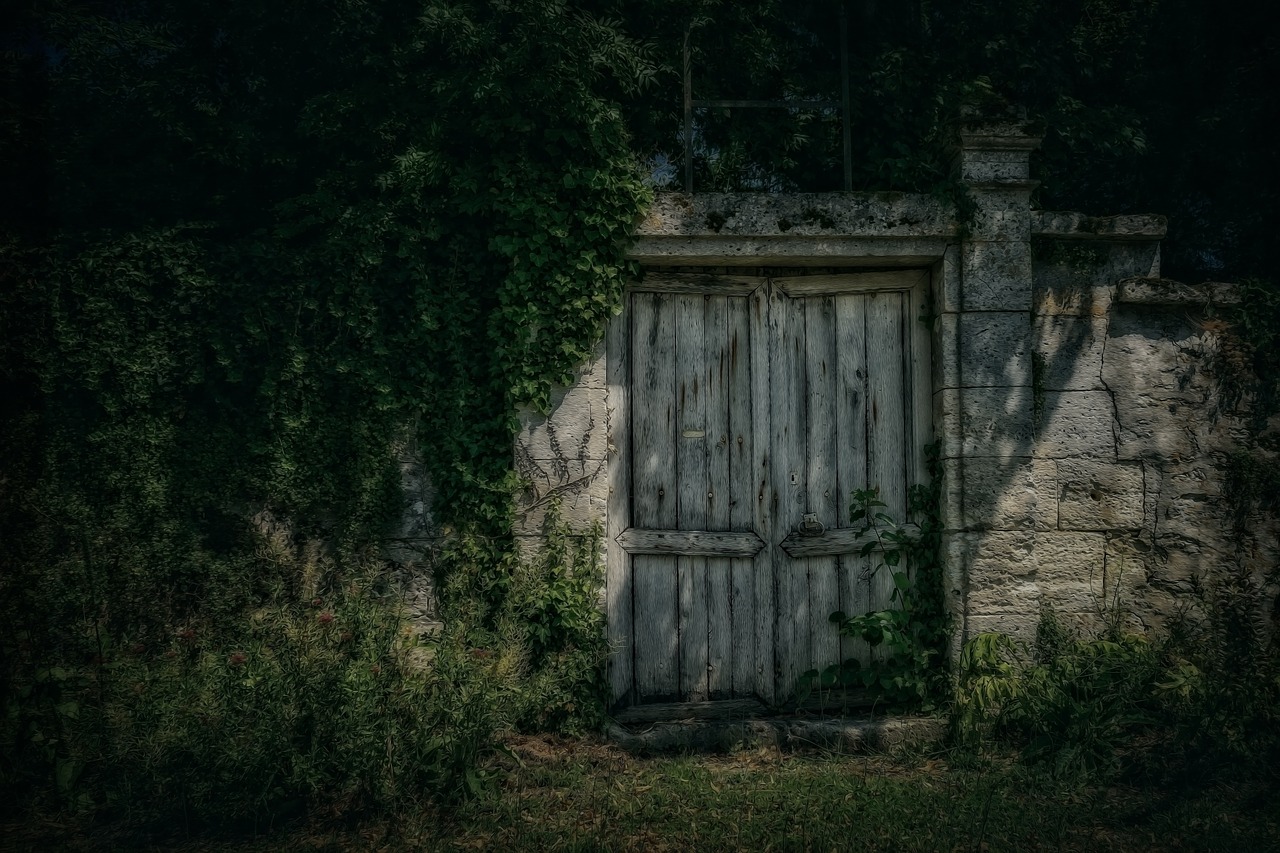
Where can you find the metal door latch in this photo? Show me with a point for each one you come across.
(810, 526)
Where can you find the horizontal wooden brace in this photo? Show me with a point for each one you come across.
(831, 543)
(690, 543)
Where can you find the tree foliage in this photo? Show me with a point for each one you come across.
(1146, 105)
(249, 252)
(259, 252)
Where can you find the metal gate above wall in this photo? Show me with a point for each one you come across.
(753, 405)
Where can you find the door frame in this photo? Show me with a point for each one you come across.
(919, 281)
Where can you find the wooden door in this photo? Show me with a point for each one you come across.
(743, 404)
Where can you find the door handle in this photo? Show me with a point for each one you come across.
(810, 526)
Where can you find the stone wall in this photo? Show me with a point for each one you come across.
(563, 457)
(1082, 428)
(1118, 503)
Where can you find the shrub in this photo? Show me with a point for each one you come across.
(1206, 689)
(1222, 684)
(318, 698)
(1072, 703)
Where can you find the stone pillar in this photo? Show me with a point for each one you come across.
(992, 484)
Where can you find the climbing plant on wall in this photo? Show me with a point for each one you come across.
(285, 239)
(274, 246)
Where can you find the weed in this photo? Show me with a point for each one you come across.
(1204, 692)
(913, 634)
(314, 695)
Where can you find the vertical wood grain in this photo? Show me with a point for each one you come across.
(618, 575)
(653, 492)
(851, 452)
(919, 340)
(742, 504)
(787, 421)
(820, 456)
(887, 425)
(764, 572)
(692, 486)
(716, 379)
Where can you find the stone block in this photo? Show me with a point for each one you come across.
(1100, 495)
(989, 421)
(1076, 424)
(955, 562)
(951, 500)
(1075, 301)
(1127, 559)
(1019, 571)
(1001, 214)
(994, 349)
(1150, 581)
(1072, 350)
(1000, 572)
(948, 285)
(1020, 626)
(1160, 355)
(994, 166)
(947, 408)
(1070, 570)
(1167, 293)
(787, 250)
(878, 214)
(997, 276)
(574, 429)
(1143, 229)
(1205, 520)
(1151, 429)
(982, 493)
(1072, 278)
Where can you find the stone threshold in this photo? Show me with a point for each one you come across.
(845, 735)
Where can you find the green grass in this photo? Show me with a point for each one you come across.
(584, 795)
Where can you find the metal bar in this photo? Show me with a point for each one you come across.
(768, 104)
(846, 129)
(688, 113)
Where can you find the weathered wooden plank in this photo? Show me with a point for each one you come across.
(618, 592)
(692, 485)
(654, 581)
(717, 710)
(761, 496)
(690, 543)
(715, 360)
(838, 542)
(832, 285)
(787, 416)
(653, 411)
(921, 397)
(821, 495)
(887, 432)
(741, 497)
(851, 451)
(697, 283)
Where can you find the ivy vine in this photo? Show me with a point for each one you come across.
(910, 668)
